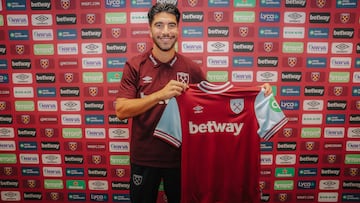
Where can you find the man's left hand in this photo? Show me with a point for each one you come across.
(268, 89)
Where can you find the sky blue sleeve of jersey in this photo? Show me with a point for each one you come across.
(169, 126)
(269, 115)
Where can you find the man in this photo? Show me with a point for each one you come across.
(149, 81)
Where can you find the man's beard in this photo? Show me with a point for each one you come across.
(162, 48)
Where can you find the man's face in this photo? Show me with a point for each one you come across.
(164, 31)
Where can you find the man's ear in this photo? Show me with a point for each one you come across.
(150, 33)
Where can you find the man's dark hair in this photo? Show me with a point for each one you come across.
(163, 7)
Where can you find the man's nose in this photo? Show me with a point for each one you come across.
(166, 29)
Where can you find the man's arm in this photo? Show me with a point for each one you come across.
(127, 108)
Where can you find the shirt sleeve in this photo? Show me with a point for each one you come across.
(169, 126)
(129, 82)
(269, 115)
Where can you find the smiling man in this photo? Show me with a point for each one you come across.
(148, 82)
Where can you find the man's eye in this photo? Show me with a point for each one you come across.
(172, 26)
(158, 26)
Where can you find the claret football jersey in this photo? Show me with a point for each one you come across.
(219, 128)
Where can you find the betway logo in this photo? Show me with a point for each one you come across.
(218, 31)
(214, 127)
(193, 16)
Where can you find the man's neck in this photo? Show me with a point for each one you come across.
(163, 56)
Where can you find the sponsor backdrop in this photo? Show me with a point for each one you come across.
(61, 62)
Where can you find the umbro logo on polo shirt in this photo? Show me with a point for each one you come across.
(147, 79)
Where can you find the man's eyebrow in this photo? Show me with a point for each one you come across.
(161, 22)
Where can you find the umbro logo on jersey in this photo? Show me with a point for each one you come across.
(147, 79)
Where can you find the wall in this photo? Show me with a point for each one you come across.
(61, 62)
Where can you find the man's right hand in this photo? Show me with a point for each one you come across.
(172, 89)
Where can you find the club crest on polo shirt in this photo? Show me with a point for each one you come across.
(183, 77)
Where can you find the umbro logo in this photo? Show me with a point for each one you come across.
(147, 79)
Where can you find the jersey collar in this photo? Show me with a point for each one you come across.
(157, 63)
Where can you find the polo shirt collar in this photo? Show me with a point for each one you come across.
(157, 63)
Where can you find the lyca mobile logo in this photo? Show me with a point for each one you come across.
(115, 4)
(289, 104)
(269, 17)
(306, 184)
